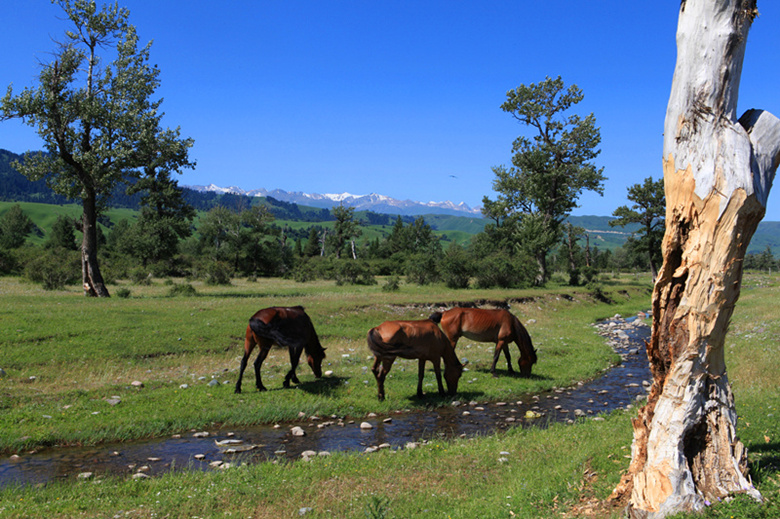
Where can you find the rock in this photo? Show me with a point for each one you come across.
(2, 373)
(387, 420)
(466, 413)
(323, 454)
(411, 445)
(154, 459)
(305, 510)
(502, 460)
(213, 382)
(372, 415)
(112, 401)
(137, 383)
(455, 403)
(140, 475)
(298, 431)
(366, 425)
(308, 454)
(216, 463)
(85, 475)
(199, 456)
(384, 446)
(531, 415)
(202, 434)
(370, 449)
(184, 386)
(328, 373)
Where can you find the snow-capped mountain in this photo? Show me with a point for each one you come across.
(373, 202)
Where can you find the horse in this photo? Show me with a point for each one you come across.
(483, 325)
(421, 340)
(285, 326)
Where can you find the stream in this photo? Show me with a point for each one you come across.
(619, 387)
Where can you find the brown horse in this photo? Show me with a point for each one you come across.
(421, 340)
(481, 325)
(289, 327)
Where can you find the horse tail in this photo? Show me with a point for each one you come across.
(435, 317)
(374, 343)
(268, 331)
(524, 338)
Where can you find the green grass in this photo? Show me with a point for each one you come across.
(99, 347)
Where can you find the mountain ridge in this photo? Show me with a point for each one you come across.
(370, 202)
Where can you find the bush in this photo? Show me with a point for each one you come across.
(354, 272)
(123, 292)
(422, 269)
(392, 284)
(218, 273)
(504, 271)
(54, 269)
(456, 267)
(184, 289)
(140, 276)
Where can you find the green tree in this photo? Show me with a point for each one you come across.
(549, 171)
(15, 225)
(95, 116)
(346, 229)
(165, 219)
(648, 210)
(63, 234)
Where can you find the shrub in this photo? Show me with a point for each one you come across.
(140, 276)
(218, 273)
(505, 271)
(54, 269)
(123, 292)
(354, 272)
(456, 267)
(392, 284)
(422, 269)
(183, 289)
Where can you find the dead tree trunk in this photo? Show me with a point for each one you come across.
(717, 173)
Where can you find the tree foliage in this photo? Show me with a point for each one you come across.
(648, 210)
(549, 170)
(93, 110)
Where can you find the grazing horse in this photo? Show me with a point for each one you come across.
(481, 325)
(421, 340)
(289, 327)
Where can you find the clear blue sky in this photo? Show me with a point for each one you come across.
(399, 98)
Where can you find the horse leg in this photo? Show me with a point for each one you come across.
(437, 369)
(265, 347)
(241, 372)
(380, 372)
(501, 345)
(295, 357)
(249, 344)
(420, 374)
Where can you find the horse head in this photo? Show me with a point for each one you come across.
(526, 362)
(314, 360)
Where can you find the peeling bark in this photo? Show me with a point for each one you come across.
(717, 173)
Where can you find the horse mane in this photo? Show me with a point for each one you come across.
(523, 335)
(435, 317)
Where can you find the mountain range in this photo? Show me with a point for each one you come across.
(372, 202)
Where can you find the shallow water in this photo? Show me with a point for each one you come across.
(617, 388)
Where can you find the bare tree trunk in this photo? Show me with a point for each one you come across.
(91, 277)
(717, 173)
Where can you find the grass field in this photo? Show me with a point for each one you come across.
(63, 354)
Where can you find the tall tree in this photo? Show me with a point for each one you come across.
(550, 170)
(648, 210)
(718, 171)
(346, 229)
(95, 116)
(15, 225)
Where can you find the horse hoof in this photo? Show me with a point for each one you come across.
(237, 391)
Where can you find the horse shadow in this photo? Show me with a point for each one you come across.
(434, 399)
(325, 386)
(514, 374)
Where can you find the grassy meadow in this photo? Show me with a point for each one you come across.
(63, 354)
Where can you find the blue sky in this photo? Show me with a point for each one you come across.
(399, 98)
